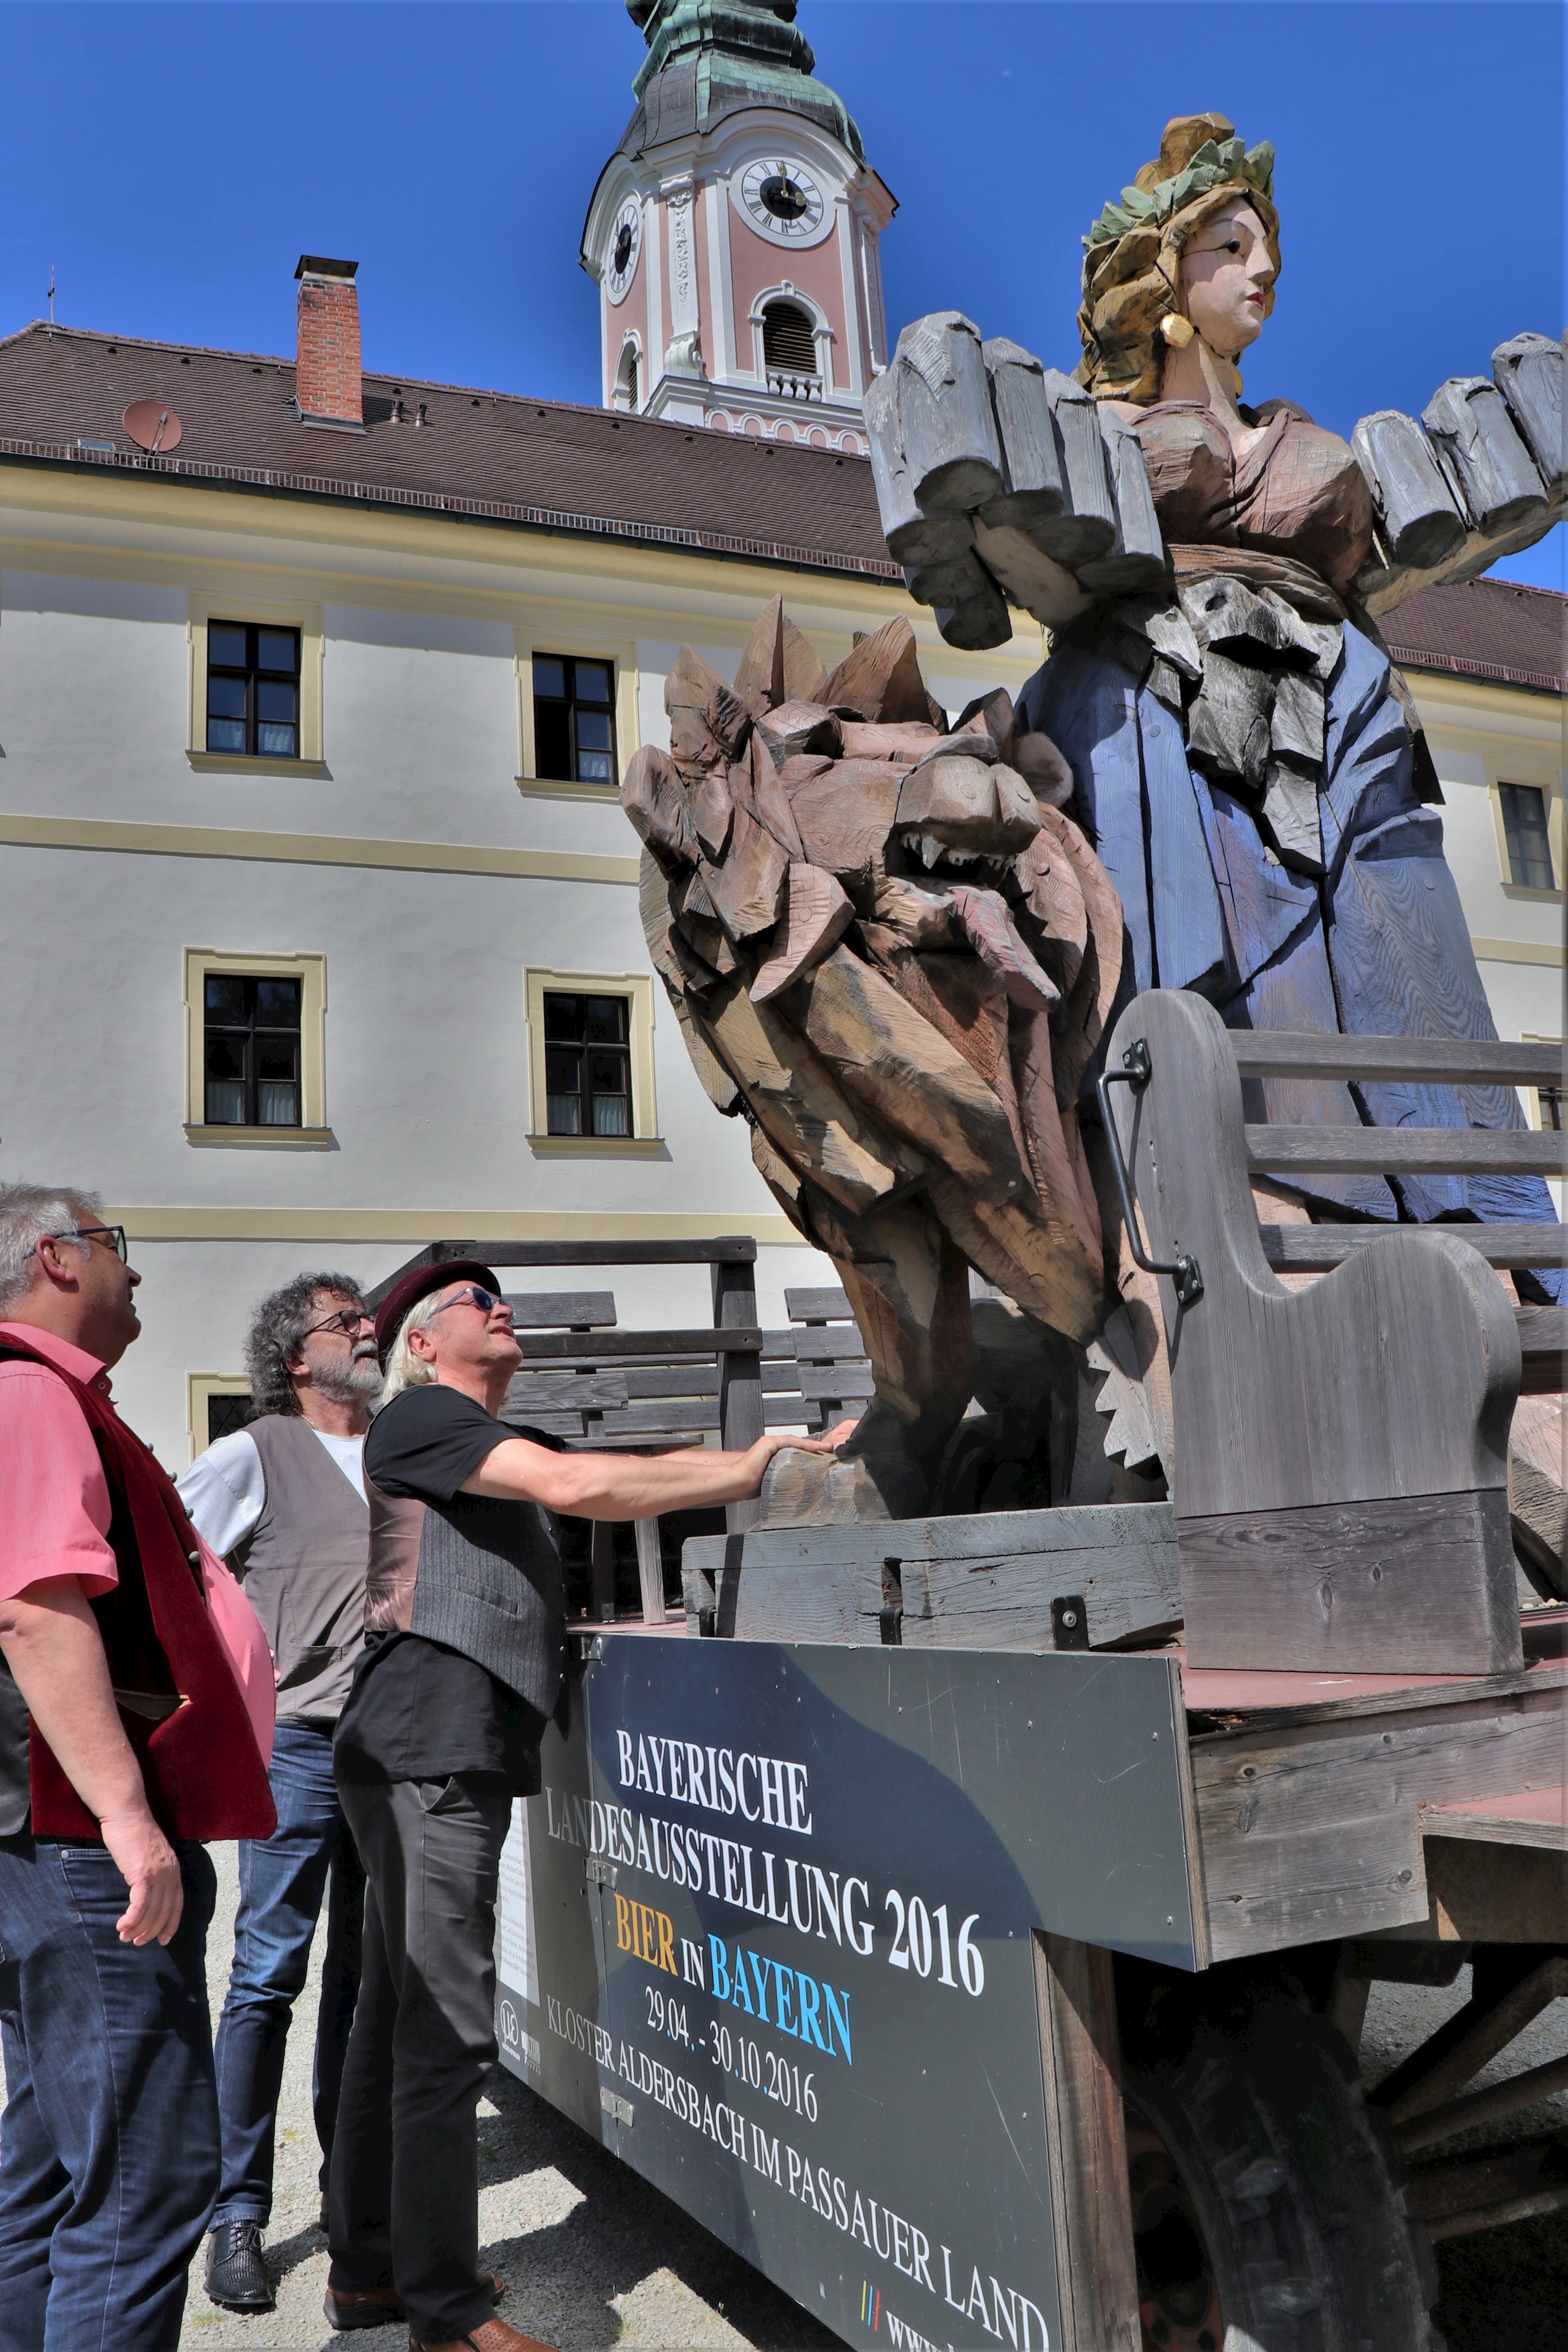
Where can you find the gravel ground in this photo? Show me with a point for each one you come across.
(593, 2257)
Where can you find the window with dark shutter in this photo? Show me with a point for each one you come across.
(250, 1045)
(587, 1065)
(253, 691)
(1524, 829)
(574, 720)
(788, 343)
(226, 1414)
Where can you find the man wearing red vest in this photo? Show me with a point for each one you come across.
(135, 1714)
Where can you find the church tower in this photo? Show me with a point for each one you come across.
(733, 234)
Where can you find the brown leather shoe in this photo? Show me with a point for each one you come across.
(495, 2336)
(377, 2306)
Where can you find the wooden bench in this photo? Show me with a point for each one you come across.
(1340, 1485)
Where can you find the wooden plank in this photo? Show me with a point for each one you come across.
(1234, 1705)
(984, 1580)
(650, 1571)
(839, 1381)
(676, 1381)
(561, 1310)
(1542, 1331)
(799, 1604)
(1406, 1151)
(828, 1343)
(1307, 1829)
(1312, 1249)
(553, 1347)
(1087, 2139)
(977, 1535)
(740, 1415)
(818, 1306)
(1424, 1583)
(1534, 1817)
(529, 1393)
(659, 1414)
(1454, 1062)
(1131, 1592)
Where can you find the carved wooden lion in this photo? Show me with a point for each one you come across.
(892, 952)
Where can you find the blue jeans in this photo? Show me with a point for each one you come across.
(108, 2146)
(281, 1884)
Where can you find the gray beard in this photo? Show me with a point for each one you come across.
(359, 1381)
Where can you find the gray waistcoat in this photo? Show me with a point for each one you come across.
(480, 1576)
(304, 1568)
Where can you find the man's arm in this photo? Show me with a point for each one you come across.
(52, 1645)
(631, 1485)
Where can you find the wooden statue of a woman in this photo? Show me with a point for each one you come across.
(1245, 758)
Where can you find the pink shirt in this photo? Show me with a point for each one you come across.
(55, 1513)
(53, 1501)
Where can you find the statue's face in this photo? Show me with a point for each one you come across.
(1228, 280)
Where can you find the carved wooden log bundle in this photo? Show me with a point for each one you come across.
(1482, 475)
(998, 478)
(1480, 452)
(893, 955)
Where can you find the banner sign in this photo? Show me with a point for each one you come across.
(768, 1933)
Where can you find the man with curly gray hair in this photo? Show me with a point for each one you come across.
(284, 1500)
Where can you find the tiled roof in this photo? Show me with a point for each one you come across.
(494, 456)
(1486, 629)
(489, 455)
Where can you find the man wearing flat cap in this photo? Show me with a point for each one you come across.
(463, 1661)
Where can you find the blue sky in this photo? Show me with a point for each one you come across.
(171, 163)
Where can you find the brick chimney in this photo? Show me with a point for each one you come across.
(327, 389)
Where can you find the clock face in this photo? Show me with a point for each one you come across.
(783, 201)
(625, 240)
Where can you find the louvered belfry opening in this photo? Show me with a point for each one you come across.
(626, 386)
(788, 343)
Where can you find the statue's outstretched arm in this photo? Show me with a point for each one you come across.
(998, 478)
(1483, 474)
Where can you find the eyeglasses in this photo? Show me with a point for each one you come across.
(112, 1236)
(484, 1300)
(349, 1320)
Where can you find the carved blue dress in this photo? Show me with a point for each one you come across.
(1376, 944)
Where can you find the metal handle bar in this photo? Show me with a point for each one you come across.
(1136, 1070)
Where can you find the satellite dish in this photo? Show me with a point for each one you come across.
(154, 427)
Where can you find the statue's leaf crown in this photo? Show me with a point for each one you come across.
(1211, 166)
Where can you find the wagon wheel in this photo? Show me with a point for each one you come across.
(1267, 2207)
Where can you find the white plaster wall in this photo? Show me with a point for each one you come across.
(427, 1078)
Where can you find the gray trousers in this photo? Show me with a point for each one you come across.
(404, 2196)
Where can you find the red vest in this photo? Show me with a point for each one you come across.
(181, 1707)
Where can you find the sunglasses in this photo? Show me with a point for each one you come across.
(112, 1236)
(484, 1300)
(349, 1320)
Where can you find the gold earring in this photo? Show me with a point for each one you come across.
(1178, 332)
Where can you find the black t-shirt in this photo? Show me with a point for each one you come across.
(418, 1710)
